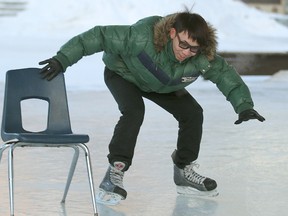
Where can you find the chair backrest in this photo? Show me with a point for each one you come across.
(27, 83)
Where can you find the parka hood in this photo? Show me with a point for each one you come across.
(162, 30)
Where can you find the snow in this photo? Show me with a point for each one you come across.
(240, 26)
(39, 32)
(249, 161)
(280, 77)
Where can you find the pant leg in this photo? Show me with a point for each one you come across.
(131, 105)
(189, 115)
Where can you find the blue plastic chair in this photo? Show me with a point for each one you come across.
(23, 84)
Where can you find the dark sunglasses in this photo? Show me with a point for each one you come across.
(185, 45)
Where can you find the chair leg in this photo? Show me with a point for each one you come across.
(11, 178)
(90, 176)
(2, 149)
(71, 172)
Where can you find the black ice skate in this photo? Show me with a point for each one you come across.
(189, 182)
(111, 188)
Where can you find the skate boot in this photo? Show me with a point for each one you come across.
(111, 189)
(188, 182)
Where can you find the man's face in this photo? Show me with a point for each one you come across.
(183, 47)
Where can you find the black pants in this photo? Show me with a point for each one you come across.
(180, 104)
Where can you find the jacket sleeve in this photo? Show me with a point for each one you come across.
(111, 39)
(230, 84)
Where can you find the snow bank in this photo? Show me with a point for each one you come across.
(281, 76)
(37, 33)
(240, 28)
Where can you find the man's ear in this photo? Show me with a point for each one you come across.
(173, 33)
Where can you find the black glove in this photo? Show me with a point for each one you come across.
(249, 114)
(51, 70)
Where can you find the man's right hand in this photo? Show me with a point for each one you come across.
(51, 70)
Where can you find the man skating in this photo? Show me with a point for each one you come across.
(156, 58)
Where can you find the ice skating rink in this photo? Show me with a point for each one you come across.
(248, 161)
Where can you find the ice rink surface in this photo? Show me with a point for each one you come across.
(248, 161)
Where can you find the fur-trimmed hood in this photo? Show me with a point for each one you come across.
(162, 30)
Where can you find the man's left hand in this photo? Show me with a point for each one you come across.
(249, 114)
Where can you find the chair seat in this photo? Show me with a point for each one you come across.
(52, 138)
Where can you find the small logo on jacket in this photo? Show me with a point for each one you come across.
(188, 79)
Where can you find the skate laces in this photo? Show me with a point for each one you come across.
(116, 177)
(191, 175)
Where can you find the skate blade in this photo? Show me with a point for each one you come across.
(108, 198)
(189, 191)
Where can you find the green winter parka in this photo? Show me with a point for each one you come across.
(142, 53)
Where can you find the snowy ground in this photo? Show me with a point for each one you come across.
(38, 33)
(248, 161)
